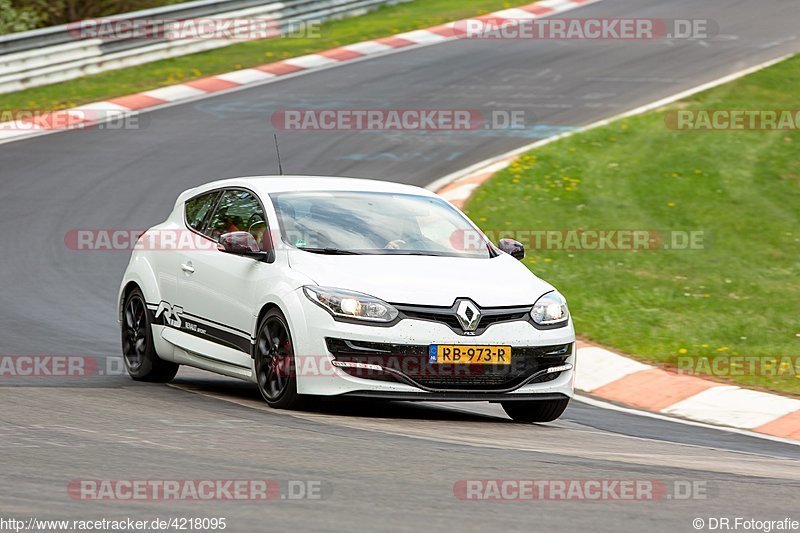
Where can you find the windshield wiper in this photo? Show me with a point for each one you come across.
(430, 253)
(408, 252)
(329, 251)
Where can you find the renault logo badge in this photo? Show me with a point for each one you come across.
(468, 315)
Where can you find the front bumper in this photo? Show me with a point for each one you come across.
(313, 335)
(457, 396)
(412, 364)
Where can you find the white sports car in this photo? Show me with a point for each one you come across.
(312, 286)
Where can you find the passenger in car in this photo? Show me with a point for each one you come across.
(232, 223)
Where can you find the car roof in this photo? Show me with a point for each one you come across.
(265, 185)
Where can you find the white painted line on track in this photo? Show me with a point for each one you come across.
(371, 48)
(460, 406)
(628, 410)
(498, 160)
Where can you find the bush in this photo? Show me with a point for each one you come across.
(13, 19)
(21, 15)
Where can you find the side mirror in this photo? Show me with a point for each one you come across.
(239, 243)
(512, 248)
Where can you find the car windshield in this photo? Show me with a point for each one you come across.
(377, 224)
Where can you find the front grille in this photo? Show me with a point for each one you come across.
(488, 320)
(413, 362)
(447, 316)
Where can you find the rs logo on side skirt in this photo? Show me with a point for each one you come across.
(172, 315)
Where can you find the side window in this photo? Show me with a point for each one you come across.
(239, 211)
(197, 209)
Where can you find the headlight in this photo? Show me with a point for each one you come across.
(349, 304)
(550, 309)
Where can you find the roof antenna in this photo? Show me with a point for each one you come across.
(278, 150)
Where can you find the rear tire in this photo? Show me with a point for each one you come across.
(535, 411)
(138, 350)
(275, 364)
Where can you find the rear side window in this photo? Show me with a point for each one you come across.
(197, 209)
(237, 211)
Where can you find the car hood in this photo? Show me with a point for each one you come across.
(425, 280)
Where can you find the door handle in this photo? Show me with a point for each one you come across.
(188, 268)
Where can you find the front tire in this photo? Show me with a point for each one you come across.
(275, 364)
(138, 350)
(535, 411)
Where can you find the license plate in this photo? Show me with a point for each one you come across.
(458, 354)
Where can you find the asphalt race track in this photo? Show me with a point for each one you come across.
(388, 466)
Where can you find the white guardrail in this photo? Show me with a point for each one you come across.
(60, 53)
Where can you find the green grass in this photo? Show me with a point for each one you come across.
(380, 23)
(739, 295)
